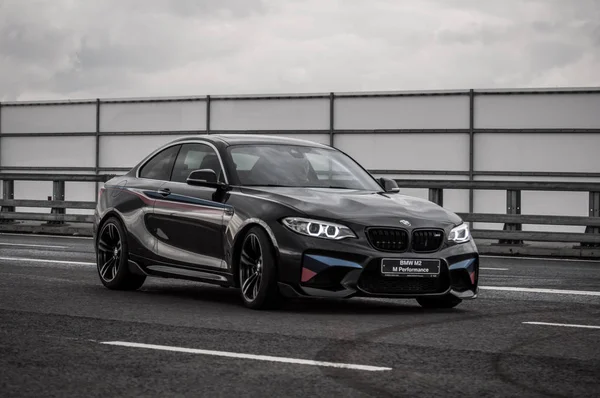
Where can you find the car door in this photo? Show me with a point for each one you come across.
(191, 217)
(151, 175)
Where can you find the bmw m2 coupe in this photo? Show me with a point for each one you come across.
(278, 217)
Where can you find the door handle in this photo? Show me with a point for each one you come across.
(164, 191)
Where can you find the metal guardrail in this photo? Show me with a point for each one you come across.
(513, 220)
(511, 236)
(56, 221)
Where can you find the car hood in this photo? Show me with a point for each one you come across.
(362, 207)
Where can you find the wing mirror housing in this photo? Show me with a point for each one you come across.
(205, 178)
(389, 185)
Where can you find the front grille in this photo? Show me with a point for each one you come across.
(371, 281)
(388, 239)
(427, 240)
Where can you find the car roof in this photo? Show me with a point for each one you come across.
(253, 139)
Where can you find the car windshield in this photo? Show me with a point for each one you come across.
(298, 166)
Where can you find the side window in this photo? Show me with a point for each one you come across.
(160, 166)
(196, 157)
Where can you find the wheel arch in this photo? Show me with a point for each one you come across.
(239, 240)
(105, 217)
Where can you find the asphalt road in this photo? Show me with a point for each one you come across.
(56, 320)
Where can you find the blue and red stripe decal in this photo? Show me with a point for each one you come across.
(312, 264)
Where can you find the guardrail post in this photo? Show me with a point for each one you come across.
(58, 194)
(8, 193)
(436, 195)
(594, 212)
(513, 206)
(331, 119)
(208, 114)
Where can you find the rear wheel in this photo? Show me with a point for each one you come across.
(111, 258)
(257, 271)
(447, 301)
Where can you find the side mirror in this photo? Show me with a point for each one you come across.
(389, 185)
(204, 178)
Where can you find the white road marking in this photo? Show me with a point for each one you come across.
(537, 290)
(28, 245)
(566, 325)
(247, 356)
(572, 260)
(499, 288)
(46, 236)
(494, 269)
(43, 260)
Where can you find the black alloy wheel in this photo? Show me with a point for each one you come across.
(112, 258)
(251, 263)
(257, 271)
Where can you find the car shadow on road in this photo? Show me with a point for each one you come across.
(360, 306)
(230, 297)
(194, 291)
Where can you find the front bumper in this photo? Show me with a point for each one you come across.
(347, 268)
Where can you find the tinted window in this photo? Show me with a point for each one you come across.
(298, 166)
(160, 166)
(196, 157)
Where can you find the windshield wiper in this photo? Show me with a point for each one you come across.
(328, 186)
(298, 186)
(268, 185)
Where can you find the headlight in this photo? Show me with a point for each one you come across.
(318, 229)
(460, 234)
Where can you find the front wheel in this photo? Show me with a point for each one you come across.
(447, 301)
(257, 271)
(111, 258)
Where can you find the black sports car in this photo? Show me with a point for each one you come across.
(278, 217)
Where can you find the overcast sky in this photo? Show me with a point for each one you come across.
(53, 49)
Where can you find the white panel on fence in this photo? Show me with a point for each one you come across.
(48, 151)
(153, 116)
(559, 204)
(537, 111)
(283, 114)
(80, 191)
(456, 200)
(426, 112)
(485, 201)
(58, 118)
(129, 150)
(33, 190)
(419, 151)
(537, 152)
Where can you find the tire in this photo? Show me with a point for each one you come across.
(112, 254)
(447, 301)
(262, 291)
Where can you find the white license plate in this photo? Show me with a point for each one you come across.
(410, 267)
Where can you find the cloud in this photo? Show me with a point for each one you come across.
(127, 48)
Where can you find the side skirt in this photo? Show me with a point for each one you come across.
(149, 267)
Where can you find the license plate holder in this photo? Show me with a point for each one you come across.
(410, 267)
